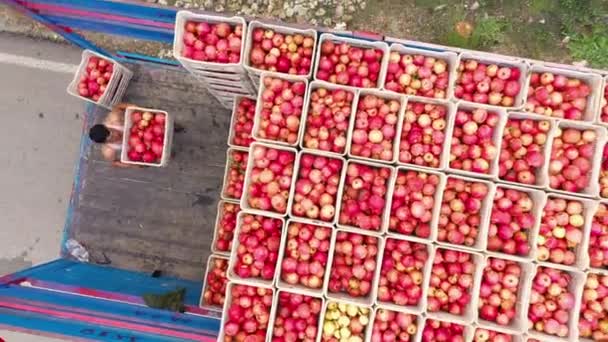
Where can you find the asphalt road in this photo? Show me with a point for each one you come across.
(39, 139)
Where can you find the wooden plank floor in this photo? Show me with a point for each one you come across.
(156, 218)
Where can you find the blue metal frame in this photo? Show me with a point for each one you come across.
(91, 277)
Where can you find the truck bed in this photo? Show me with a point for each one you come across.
(146, 219)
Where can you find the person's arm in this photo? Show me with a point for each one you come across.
(113, 156)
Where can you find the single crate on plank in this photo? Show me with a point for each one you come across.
(491, 82)
(518, 324)
(322, 70)
(464, 152)
(502, 237)
(311, 332)
(322, 173)
(258, 167)
(469, 314)
(242, 117)
(229, 329)
(428, 326)
(283, 61)
(410, 72)
(575, 287)
(567, 232)
(545, 100)
(115, 87)
(334, 310)
(426, 118)
(290, 257)
(289, 114)
(602, 117)
(401, 222)
(477, 209)
(381, 318)
(334, 288)
(167, 137)
(348, 207)
(568, 179)
(225, 226)
(258, 251)
(370, 138)
(398, 284)
(534, 176)
(214, 298)
(183, 18)
(596, 255)
(314, 118)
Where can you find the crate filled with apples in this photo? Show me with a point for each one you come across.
(345, 321)
(215, 281)
(598, 239)
(504, 290)
(435, 330)
(565, 223)
(563, 94)
(225, 226)
(593, 317)
(317, 185)
(354, 271)
(256, 247)
(234, 175)
(415, 203)
(247, 310)
(364, 194)
(270, 179)
(552, 303)
(515, 221)
(209, 42)
(493, 81)
(394, 325)
(241, 123)
(465, 212)
(417, 72)
(147, 137)
(280, 49)
(278, 115)
(351, 62)
(603, 116)
(576, 151)
(454, 285)
(296, 316)
(404, 270)
(525, 150)
(477, 133)
(603, 173)
(99, 80)
(304, 256)
(328, 117)
(425, 136)
(489, 335)
(378, 121)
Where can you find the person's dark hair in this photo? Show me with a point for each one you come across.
(99, 133)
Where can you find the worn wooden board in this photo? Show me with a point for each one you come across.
(146, 219)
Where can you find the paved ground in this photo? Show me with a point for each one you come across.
(39, 136)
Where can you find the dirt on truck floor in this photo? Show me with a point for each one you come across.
(553, 30)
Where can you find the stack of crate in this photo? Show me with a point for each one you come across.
(223, 80)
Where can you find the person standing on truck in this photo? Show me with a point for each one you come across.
(109, 134)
